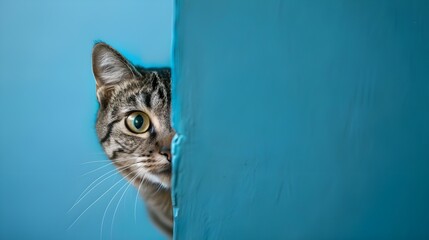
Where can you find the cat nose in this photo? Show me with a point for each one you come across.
(166, 151)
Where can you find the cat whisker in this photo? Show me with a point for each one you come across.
(83, 192)
(107, 162)
(98, 161)
(135, 200)
(159, 188)
(74, 222)
(107, 207)
(106, 165)
(143, 159)
(117, 205)
(105, 211)
(80, 198)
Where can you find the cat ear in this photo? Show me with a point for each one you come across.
(109, 68)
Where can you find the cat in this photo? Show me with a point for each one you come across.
(133, 126)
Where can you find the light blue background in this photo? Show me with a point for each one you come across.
(48, 106)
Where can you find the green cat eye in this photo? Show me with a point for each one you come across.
(138, 122)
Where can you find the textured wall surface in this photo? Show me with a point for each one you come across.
(48, 106)
(301, 119)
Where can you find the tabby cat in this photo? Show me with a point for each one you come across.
(133, 127)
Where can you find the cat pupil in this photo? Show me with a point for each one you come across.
(138, 121)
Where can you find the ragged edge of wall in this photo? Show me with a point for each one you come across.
(177, 124)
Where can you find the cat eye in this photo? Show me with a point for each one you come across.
(137, 122)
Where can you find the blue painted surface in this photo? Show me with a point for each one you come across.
(301, 119)
(48, 107)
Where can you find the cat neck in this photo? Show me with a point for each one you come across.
(158, 205)
(156, 196)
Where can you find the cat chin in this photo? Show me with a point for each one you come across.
(165, 182)
(162, 179)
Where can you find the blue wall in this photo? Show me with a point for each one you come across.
(301, 119)
(48, 106)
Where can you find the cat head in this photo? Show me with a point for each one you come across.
(133, 120)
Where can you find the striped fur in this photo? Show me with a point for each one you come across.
(123, 88)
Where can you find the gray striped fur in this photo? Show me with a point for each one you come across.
(121, 89)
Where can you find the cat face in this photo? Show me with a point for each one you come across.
(133, 121)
